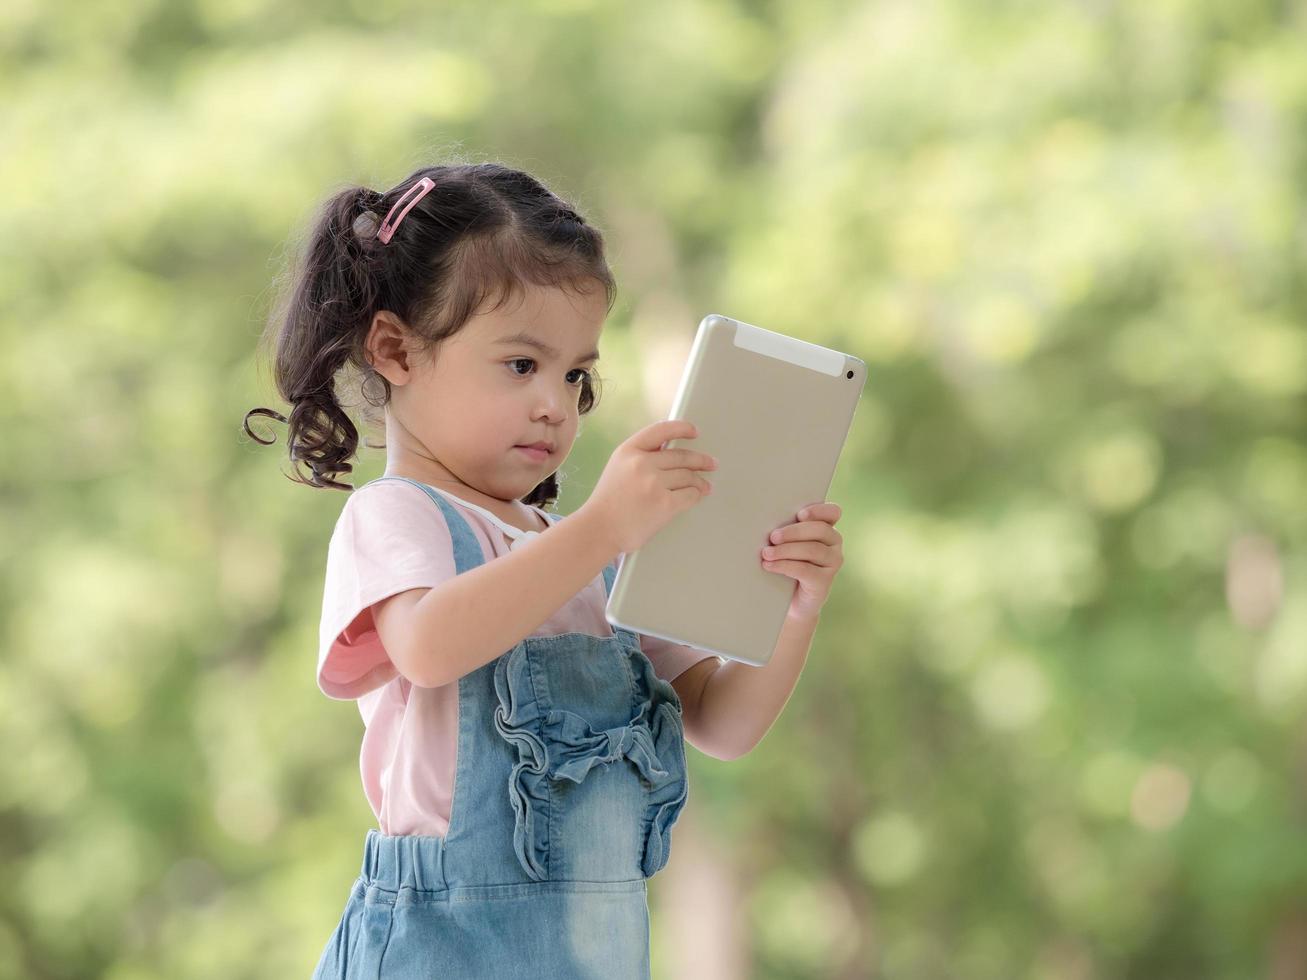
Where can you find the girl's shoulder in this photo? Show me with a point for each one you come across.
(389, 495)
(399, 501)
(389, 508)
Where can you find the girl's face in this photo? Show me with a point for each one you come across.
(457, 416)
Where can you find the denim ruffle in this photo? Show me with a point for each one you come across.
(517, 718)
(652, 740)
(667, 794)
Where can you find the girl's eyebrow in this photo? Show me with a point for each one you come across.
(526, 339)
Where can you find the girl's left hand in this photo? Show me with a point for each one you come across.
(811, 551)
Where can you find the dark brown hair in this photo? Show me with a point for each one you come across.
(481, 233)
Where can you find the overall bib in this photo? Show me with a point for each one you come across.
(570, 773)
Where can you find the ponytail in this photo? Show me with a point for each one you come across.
(483, 230)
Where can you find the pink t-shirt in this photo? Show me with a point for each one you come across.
(391, 537)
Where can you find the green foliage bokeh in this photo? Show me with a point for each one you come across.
(1053, 722)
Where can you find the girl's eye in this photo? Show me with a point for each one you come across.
(527, 360)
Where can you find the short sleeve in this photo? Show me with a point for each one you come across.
(670, 659)
(390, 537)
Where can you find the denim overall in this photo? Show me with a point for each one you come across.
(570, 773)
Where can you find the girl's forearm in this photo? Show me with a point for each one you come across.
(740, 702)
(469, 620)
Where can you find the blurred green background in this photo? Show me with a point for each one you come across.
(1053, 723)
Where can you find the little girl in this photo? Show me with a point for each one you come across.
(525, 761)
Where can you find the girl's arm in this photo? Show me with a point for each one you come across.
(736, 703)
(435, 636)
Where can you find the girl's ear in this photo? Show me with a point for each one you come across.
(387, 347)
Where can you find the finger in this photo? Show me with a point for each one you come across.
(811, 552)
(807, 531)
(679, 479)
(656, 436)
(688, 496)
(825, 511)
(685, 459)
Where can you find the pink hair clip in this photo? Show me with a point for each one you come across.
(387, 228)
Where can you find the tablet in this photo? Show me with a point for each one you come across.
(776, 412)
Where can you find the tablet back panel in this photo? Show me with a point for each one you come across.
(775, 411)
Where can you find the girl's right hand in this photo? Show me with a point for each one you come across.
(645, 485)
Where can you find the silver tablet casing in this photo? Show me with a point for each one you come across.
(776, 412)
